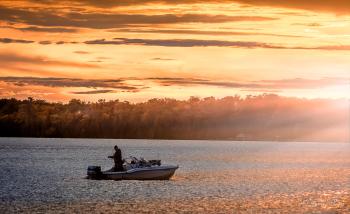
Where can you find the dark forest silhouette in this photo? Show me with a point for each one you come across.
(264, 117)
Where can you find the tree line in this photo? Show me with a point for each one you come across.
(263, 117)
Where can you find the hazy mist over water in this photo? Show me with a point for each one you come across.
(226, 176)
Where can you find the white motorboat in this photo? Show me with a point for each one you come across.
(134, 169)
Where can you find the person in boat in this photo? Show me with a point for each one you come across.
(118, 161)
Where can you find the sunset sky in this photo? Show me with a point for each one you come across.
(140, 49)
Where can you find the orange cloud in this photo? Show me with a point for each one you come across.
(112, 20)
(203, 32)
(121, 83)
(9, 40)
(209, 43)
(335, 6)
(69, 82)
(15, 59)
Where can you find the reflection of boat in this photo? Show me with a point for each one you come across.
(135, 169)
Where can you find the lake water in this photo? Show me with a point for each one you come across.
(47, 175)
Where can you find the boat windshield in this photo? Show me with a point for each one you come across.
(133, 162)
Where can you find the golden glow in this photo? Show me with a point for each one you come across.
(307, 45)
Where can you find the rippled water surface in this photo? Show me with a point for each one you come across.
(47, 175)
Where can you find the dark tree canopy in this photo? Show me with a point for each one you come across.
(264, 117)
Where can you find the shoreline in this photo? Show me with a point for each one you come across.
(160, 139)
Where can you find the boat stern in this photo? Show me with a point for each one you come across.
(94, 172)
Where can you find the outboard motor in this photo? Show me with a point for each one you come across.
(94, 172)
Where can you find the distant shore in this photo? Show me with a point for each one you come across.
(219, 140)
(256, 118)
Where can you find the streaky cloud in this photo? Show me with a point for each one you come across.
(162, 59)
(208, 43)
(334, 6)
(93, 92)
(9, 40)
(110, 20)
(44, 29)
(306, 83)
(186, 43)
(181, 43)
(122, 84)
(10, 58)
(70, 82)
(82, 52)
(296, 83)
(45, 42)
(204, 32)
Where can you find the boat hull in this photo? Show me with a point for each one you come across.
(146, 173)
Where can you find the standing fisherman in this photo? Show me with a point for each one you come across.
(118, 161)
